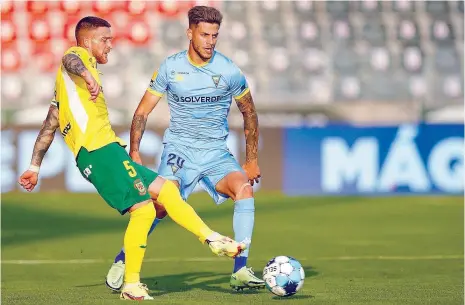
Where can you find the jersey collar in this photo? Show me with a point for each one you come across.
(93, 62)
(199, 65)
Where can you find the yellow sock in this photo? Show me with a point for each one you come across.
(135, 241)
(181, 212)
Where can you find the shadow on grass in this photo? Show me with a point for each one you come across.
(22, 224)
(207, 281)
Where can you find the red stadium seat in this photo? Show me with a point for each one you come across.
(11, 59)
(59, 47)
(69, 28)
(44, 59)
(8, 31)
(37, 7)
(70, 7)
(103, 8)
(138, 31)
(39, 29)
(7, 7)
(135, 7)
(171, 9)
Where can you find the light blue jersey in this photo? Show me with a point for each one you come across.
(199, 97)
(195, 149)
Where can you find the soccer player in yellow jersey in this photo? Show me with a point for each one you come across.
(79, 110)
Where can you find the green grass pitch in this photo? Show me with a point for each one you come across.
(57, 248)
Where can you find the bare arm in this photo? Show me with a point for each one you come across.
(45, 137)
(73, 64)
(139, 120)
(247, 107)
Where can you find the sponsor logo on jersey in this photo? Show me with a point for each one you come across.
(152, 85)
(66, 130)
(197, 99)
(87, 171)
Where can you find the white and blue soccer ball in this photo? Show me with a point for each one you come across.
(283, 276)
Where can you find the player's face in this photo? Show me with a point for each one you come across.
(101, 44)
(203, 38)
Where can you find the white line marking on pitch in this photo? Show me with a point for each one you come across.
(214, 259)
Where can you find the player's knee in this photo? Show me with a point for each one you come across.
(245, 191)
(160, 208)
(146, 208)
(155, 187)
(244, 205)
(175, 183)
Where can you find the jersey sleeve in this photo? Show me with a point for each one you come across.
(239, 86)
(159, 82)
(54, 101)
(81, 52)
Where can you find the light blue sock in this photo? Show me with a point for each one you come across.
(154, 224)
(243, 221)
(121, 255)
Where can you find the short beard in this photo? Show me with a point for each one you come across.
(101, 60)
(199, 54)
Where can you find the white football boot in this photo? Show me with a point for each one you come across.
(224, 246)
(135, 292)
(245, 278)
(115, 276)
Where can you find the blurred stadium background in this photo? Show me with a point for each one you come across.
(309, 63)
(359, 98)
(358, 61)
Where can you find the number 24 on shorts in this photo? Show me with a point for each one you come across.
(179, 160)
(131, 170)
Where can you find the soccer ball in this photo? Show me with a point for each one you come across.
(283, 276)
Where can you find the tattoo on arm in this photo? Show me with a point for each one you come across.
(137, 131)
(247, 107)
(73, 64)
(46, 135)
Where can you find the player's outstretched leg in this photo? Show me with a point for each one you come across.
(114, 279)
(184, 215)
(135, 243)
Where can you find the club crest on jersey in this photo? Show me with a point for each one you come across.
(216, 80)
(139, 185)
(174, 168)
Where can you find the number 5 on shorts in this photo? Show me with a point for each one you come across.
(131, 171)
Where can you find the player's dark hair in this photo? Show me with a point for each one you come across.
(90, 22)
(206, 14)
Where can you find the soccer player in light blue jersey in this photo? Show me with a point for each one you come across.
(200, 84)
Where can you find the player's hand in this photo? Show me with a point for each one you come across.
(252, 171)
(135, 156)
(92, 86)
(28, 180)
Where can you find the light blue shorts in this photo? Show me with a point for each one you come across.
(189, 166)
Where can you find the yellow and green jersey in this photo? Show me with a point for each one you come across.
(83, 123)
